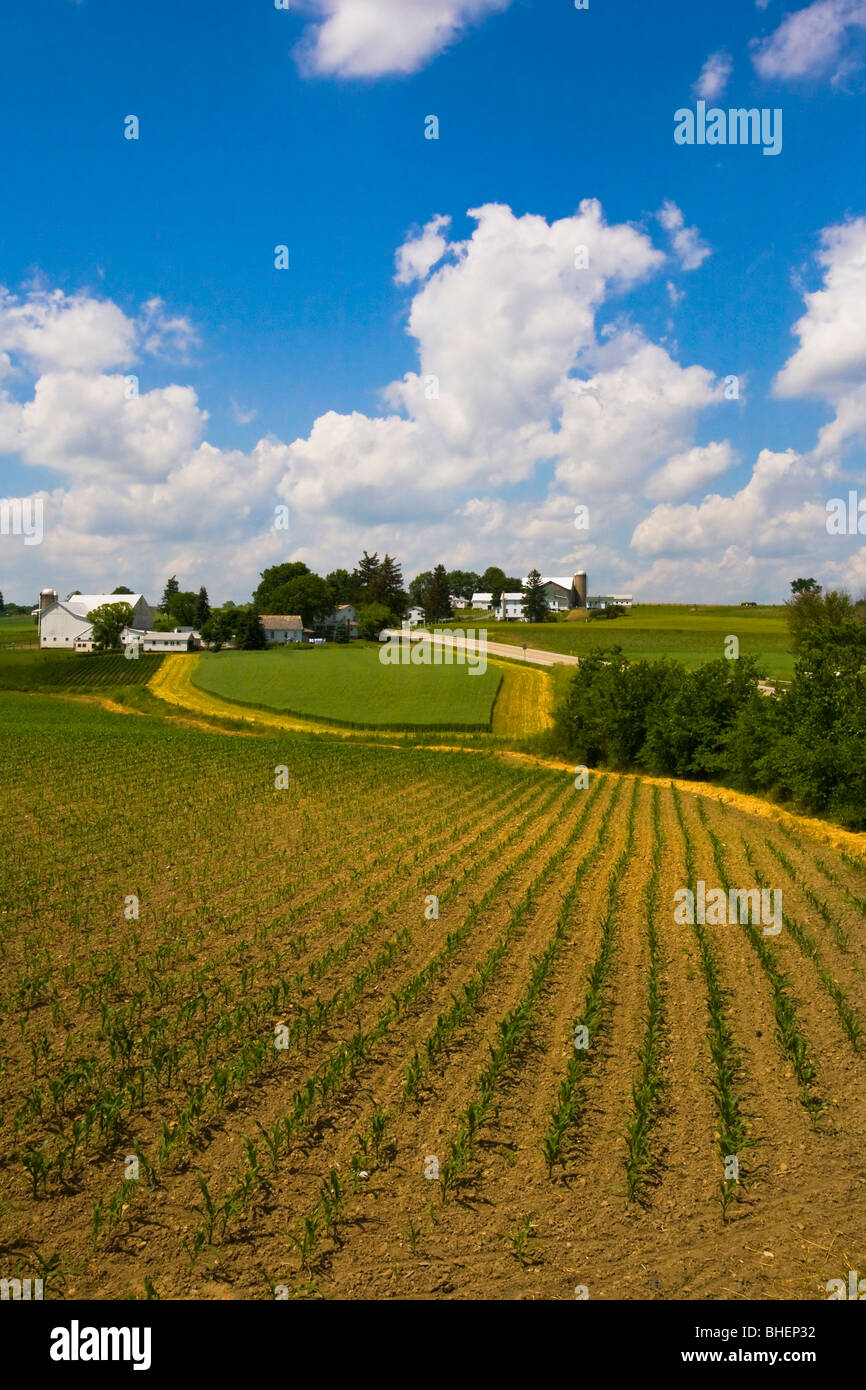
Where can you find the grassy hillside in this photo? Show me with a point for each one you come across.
(691, 634)
(350, 685)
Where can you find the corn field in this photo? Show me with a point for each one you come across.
(305, 1018)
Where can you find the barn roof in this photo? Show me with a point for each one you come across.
(82, 604)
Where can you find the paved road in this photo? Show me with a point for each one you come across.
(531, 654)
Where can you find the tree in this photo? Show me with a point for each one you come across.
(172, 587)
(122, 589)
(109, 620)
(464, 583)
(418, 587)
(535, 606)
(811, 611)
(307, 595)
(365, 577)
(274, 578)
(805, 586)
(202, 608)
(380, 581)
(437, 597)
(181, 608)
(494, 581)
(340, 582)
(372, 618)
(251, 634)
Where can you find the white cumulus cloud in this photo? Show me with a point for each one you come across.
(822, 39)
(369, 38)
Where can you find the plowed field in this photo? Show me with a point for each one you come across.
(312, 1032)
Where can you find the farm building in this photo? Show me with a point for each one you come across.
(609, 601)
(63, 623)
(282, 627)
(183, 639)
(415, 616)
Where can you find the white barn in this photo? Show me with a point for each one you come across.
(63, 623)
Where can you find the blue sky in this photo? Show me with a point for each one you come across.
(260, 387)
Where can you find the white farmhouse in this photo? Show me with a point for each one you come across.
(510, 608)
(63, 623)
(282, 627)
(415, 616)
(482, 600)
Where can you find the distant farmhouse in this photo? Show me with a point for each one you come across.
(63, 623)
(282, 627)
(183, 639)
(562, 595)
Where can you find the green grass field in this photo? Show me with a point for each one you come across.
(18, 632)
(349, 685)
(691, 634)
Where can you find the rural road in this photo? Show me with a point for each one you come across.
(532, 654)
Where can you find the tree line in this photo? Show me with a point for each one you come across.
(805, 744)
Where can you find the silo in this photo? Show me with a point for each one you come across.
(46, 598)
(579, 585)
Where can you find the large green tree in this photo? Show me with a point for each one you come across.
(274, 578)
(812, 610)
(250, 633)
(418, 587)
(437, 597)
(464, 583)
(380, 581)
(307, 595)
(342, 585)
(109, 620)
(372, 617)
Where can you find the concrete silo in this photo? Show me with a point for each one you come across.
(579, 586)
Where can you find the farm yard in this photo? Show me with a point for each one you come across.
(320, 1037)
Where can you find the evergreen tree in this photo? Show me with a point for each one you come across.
(202, 608)
(535, 609)
(392, 593)
(251, 634)
(171, 588)
(437, 597)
